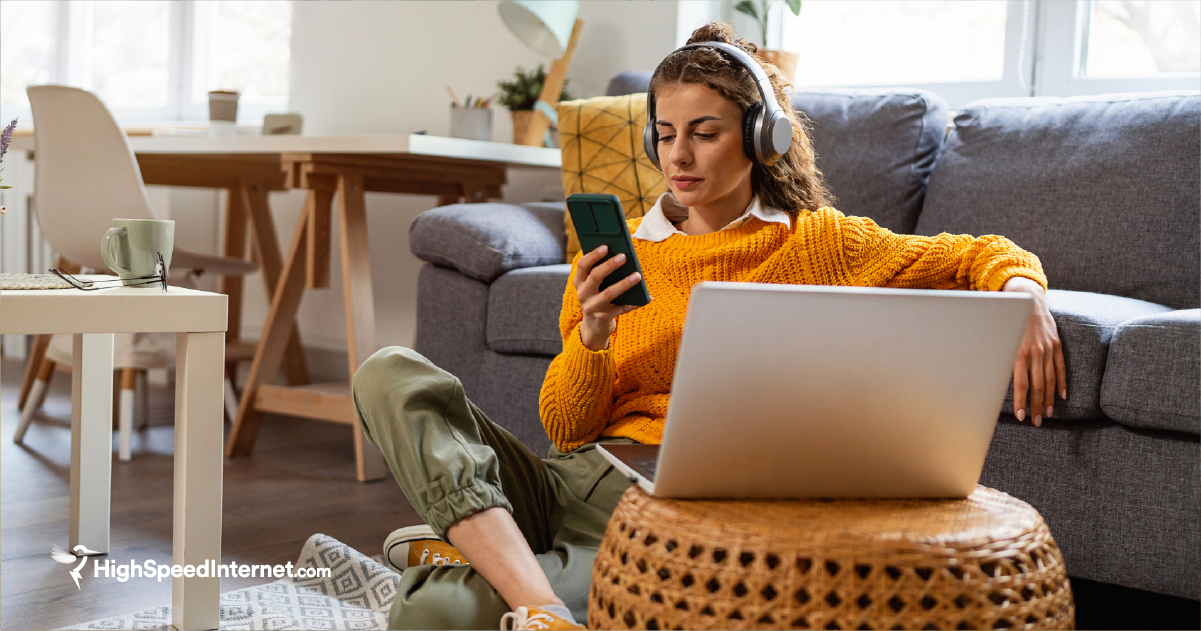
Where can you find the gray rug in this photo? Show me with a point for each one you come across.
(357, 595)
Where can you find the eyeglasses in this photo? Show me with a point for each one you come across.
(91, 285)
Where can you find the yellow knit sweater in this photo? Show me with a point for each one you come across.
(624, 389)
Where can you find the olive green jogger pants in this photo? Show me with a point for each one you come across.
(451, 461)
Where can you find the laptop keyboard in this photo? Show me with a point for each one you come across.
(647, 465)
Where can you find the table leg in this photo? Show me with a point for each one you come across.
(316, 206)
(254, 198)
(270, 353)
(235, 246)
(236, 224)
(196, 536)
(91, 441)
(359, 302)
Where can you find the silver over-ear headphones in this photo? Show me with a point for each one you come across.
(766, 128)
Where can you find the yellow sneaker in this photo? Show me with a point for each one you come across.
(535, 618)
(418, 545)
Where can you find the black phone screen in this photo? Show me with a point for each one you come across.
(599, 220)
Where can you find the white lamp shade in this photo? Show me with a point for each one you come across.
(544, 26)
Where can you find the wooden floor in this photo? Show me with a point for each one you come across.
(300, 480)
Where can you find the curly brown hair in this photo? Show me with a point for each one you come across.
(794, 182)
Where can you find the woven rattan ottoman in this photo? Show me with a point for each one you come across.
(984, 562)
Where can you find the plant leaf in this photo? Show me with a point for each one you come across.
(747, 7)
(795, 5)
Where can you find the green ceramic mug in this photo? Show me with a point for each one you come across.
(131, 247)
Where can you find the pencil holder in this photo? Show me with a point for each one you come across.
(472, 123)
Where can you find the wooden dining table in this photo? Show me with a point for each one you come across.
(342, 168)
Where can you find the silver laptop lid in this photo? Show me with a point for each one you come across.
(815, 391)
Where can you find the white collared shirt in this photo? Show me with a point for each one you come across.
(658, 222)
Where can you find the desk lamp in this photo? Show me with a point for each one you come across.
(551, 29)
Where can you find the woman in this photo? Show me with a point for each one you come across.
(526, 528)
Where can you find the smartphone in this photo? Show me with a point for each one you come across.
(599, 220)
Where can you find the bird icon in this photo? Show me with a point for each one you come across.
(62, 556)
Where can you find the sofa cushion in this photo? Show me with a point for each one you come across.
(1123, 503)
(876, 149)
(601, 144)
(1086, 322)
(1153, 379)
(523, 310)
(629, 82)
(486, 240)
(1102, 188)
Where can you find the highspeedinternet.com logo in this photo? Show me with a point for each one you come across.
(210, 568)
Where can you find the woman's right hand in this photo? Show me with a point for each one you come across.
(600, 315)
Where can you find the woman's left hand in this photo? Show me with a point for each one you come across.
(1039, 367)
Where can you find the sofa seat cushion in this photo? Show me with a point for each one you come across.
(1153, 378)
(1103, 189)
(1086, 323)
(486, 240)
(523, 311)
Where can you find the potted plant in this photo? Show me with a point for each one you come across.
(781, 59)
(520, 94)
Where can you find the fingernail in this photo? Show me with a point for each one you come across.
(1063, 394)
(603, 248)
(1050, 410)
(1038, 420)
(1021, 414)
(620, 257)
(635, 276)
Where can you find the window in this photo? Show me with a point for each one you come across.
(1142, 39)
(28, 54)
(1095, 47)
(925, 42)
(243, 46)
(148, 59)
(119, 51)
(965, 51)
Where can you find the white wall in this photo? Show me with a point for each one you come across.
(360, 67)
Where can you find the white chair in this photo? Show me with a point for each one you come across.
(86, 175)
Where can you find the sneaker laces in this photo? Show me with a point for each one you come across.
(522, 620)
(437, 559)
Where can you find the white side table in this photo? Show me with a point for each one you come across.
(199, 320)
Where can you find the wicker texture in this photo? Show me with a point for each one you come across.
(984, 562)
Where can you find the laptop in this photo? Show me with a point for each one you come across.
(802, 391)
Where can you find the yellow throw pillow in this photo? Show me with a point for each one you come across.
(601, 141)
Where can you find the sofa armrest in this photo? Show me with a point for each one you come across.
(1086, 322)
(486, 240)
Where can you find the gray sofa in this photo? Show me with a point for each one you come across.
(1103, 189)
